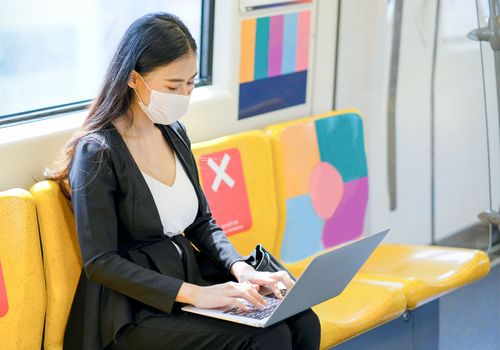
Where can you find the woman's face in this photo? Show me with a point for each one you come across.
(177, 77)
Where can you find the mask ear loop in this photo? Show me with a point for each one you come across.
(140, 99)
(144, 81)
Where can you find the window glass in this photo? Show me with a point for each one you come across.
(55, 52)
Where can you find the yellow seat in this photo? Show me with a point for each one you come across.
(426, 272)
(246, 208)
(22, 285)
(360, 307)
(61, 258)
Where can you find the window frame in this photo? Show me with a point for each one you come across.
(205, 51)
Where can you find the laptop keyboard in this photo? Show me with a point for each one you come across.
(254, 312)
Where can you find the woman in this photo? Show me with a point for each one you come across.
(134, 189)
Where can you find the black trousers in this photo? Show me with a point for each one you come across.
(184, 330)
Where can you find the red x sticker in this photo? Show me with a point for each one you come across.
(225, 189)
(4, 306)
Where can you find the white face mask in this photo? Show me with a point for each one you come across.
(164, 108)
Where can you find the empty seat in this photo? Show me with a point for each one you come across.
(322, 181)
(427, 272)
(360, 307)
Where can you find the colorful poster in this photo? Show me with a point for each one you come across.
(273, 62)
(326, 184)
(225, 189)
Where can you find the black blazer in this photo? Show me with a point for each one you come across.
(130, 268)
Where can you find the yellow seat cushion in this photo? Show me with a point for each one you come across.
(61, 258)
(22, 288)
(359, 308)
(426, 271)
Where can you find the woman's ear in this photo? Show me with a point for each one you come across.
(132, 79)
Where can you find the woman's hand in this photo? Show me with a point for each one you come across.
(227, 294)
(246, 273)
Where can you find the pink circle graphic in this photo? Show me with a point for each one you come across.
(326, 189)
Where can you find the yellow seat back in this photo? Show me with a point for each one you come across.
(236, 174)
(22, 285)
(61, 258)
(322, 182)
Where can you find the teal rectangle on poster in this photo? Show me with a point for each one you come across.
(261, 48)
(341, 143)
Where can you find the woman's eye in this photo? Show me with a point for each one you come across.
(190, 82)
(171, 88)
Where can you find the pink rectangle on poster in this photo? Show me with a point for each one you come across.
(304, 26)
(275, 53)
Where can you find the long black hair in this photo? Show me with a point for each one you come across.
(152, 41)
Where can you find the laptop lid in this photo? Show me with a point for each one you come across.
(326, 276)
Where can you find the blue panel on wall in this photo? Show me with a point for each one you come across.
(270, 94)
(470, 316)
(418, 332)
(425, 323)
(465, 319)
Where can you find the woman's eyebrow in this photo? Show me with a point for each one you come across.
(180, 80)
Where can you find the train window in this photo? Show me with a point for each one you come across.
(54, 53)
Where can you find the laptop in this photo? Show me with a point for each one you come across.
(326, 276)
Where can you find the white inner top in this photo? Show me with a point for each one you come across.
(176, 204)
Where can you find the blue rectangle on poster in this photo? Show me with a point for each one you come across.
(271, 94)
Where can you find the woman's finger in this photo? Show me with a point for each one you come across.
(285, 278)
(245, 290)
(271, 283)
(257, 296)
(254, 285)
(252, 296)
(234, 302)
